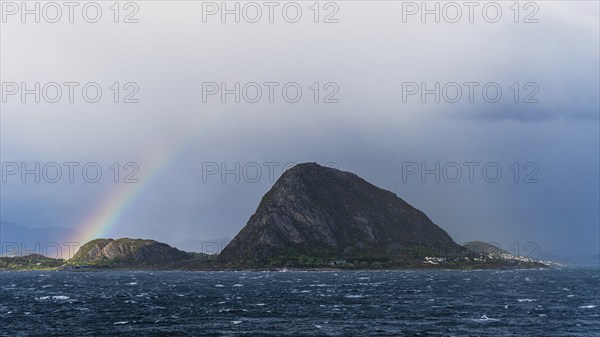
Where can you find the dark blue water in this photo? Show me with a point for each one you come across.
(398, 303)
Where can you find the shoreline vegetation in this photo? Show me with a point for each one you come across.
(137, 254)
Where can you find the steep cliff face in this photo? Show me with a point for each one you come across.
(319, 211)
(127, 252)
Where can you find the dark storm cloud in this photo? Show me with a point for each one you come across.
(370, 132)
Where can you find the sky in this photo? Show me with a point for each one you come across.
(487, 121)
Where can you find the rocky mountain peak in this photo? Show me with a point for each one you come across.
(320, 211)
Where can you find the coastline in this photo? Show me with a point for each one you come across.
(83, 269)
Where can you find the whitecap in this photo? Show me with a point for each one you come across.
(587, 306)
(219, 285)
(521, 300)
(60, 297)
(132, 284)
(238, 285)
(121, 322)
(485, 318)
(354, 296)
(236, 322)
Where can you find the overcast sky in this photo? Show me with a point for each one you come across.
(369, 66)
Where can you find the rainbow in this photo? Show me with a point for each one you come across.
(110, 212)
(101, 221)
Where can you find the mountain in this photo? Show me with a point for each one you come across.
(318, 212)
(18, 240)
(128, 253)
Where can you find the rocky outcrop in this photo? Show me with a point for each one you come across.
(127, 252)
(319, 211)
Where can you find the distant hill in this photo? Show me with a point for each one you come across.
(484, 248)
(572, 259)
(17, 240)
(317, 212)
(29, 262)
(128, 253)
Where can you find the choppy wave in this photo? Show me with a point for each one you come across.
(340, 303)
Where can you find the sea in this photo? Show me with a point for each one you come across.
(545, 302)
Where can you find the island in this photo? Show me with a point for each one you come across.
(314, 217)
